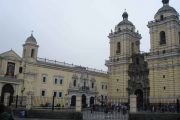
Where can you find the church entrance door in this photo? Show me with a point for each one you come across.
(91, 101)
(139, 94)
(7, 94)
(73, 101)
(84, 101)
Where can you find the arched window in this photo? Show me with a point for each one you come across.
(118, 47)
(32, 53)
(162, 37)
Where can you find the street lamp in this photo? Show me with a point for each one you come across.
(22, 91)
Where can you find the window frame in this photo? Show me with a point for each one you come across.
(32, 53)
(118, 50)
(59, 93)
(42, 79)
(44, 93)
(162, 36)
(74, 82)
(92, 85)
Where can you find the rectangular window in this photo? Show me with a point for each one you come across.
(10, 69)
(43, 93)
(32, 53)
(118, 47)
(106, 87)
(92, 85)
(44, 79)
(102, 86)
(102, 97)
(20, 69)
(74, 83)
(60, 94)
(55, 81)
(61, 81)
(164, 76)
(105, 97)
(54, 94)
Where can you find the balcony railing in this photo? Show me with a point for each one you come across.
(54, 62)
(84, 88)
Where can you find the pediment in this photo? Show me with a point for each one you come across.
(11, 55)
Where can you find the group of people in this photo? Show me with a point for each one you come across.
(110, 108)
(165, 108)
(5, 114)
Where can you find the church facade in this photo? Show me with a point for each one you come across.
(152, 76)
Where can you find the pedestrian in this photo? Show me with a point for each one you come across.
(153, 108)
(91, 109)
(3, 114)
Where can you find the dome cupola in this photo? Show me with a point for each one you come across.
(166, 11)
(125, 23)
(31, 39)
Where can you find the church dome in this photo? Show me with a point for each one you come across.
(166, 10)
(125, 20)
(31, 40)
(125, 24)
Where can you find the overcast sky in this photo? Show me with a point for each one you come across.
(74, 31)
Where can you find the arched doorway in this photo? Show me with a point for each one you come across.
(91, 101)
(73, 101)
(139, 94)
(84, 101)
(7, 89)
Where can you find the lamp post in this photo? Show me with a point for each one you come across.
(22, 92)
(16, 100)
(53, 103)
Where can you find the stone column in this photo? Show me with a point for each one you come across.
(78, 103)
(133, 103)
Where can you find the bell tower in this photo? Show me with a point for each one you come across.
(164, 57)
(124, 42)
(165, 30)
(30, 50)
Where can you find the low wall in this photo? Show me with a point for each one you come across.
(154, 116)
(49, 114)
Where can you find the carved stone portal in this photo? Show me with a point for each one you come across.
(138, 84)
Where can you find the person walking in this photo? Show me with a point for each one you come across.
(3, 114)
